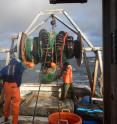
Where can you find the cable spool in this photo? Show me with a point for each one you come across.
(28, 49)
(59, 42)
(59, 38)
(78, 49)
(36, 50)
(69, 47)
(21, 45)
(22, 52)
(44, 37)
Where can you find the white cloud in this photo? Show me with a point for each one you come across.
(16, 15)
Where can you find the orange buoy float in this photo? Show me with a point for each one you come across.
(53, 65)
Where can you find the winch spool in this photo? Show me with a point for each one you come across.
(22, 52)
(36, 50)
(69, 48)
(28, 49)
(78, 45)
(44, 37)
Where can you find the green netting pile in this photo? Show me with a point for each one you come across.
(48, 77)
(28, 49)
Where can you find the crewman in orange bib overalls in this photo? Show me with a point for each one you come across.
(67, 79)
(12, 76)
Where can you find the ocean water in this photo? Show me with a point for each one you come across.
(79, 73)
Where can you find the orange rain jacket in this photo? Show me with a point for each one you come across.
(67, 75)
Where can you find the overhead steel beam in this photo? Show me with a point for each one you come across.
(78, 29)
(37, 26)
(68, 26)
(67, 1)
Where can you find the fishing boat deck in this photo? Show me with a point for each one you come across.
(45, 107)
(48, 102)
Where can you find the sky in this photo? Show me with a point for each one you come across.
(16, 15)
